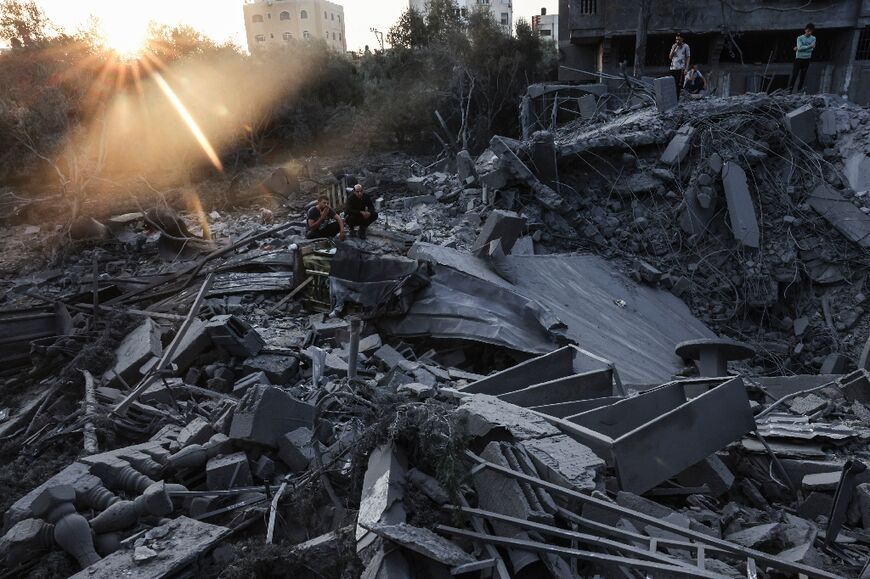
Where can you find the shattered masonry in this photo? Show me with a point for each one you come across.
(636, 344)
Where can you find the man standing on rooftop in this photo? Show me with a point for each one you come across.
(803, 52)
(680, 56)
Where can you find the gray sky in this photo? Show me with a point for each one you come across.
(222, 19)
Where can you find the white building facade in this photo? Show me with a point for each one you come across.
(502, 10)
(546, 25)
(276, 22)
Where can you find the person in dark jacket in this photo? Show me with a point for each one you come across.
(360, 211)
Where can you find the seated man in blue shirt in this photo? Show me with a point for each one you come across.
(323, 221)
(695, 81)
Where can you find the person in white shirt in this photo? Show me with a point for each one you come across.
(680, 58)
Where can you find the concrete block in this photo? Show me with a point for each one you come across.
(542, 153)
(266, 413)
(679, 147)
(418, 185)
(802, 123)
(277, 368)
(140, 346)
(858, 171)
(523, 246)
(389, 356)
(235, 336)
(496, 179)
(243, 385)
(563, 461)
(483, 414)
(265, 468)
(839, 212)
(198, 431)
(744, 223)
(504, 225)
(227, 472)
(295, 449)
(666, 93)
(827, 129)
(383, 493)
(834, 364)
(711, 472)
(465, 168)
(588, 106)
(195, 341)
(715, 163)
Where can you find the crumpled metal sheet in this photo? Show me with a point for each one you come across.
(532, 303)
(379, 284)
(459, 306)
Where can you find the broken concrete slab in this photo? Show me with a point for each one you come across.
(389, 356)
(506, 226)
(839, 212)
(179, 544)
(227, 472)
(666, 93)
(423, 542)
(465, 168)
(563, 461)
(711, 472)
(857, 168)
(194, 342)
(741, 210)
(383, 494)
(295, 449)
(481, 414)
(279, 369)
(266, 413)
(801, 123)
(679, 147)
(140, 346)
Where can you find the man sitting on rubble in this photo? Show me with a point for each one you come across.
(695, 81)
(323, 221)
(360, 211)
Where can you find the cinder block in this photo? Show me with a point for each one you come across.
(278, 369)
(679, 147)
(243, 385)
(235, 336)
(266, 413)
(141, 345)
(802, 123)
(195, 341)
(227, 472)
(504, 225)
(295, 450)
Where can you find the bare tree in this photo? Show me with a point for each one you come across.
(643, 17)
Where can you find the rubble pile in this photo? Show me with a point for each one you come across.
(464, 393)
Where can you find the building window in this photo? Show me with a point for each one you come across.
(284, 15)
(271, 35)
(257, 18)
(864, 45)
(325, 15)
(483, 2)
(269, 15)
(589, 7)
(339, 35)
(288, 36)
(303, 15)
(505, 19)
(332, 16)
(260, 38)
(306, 35)
(546, 32)
(339, 17)
(505, 2)
(333, 35)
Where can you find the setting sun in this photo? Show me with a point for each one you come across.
(124, 32)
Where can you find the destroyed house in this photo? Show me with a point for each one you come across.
(740, 46)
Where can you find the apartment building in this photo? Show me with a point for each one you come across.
(502, 10)
(270, 23)
(546, 25)
(741, 45)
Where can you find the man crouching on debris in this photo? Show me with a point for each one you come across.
(360, 211)
(324, 222)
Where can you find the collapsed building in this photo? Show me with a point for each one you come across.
(633, 345)
(740, 46)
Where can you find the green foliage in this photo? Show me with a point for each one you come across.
(22, 22)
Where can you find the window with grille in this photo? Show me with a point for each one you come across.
(288, 36)
(864, 45)
(589, 7)
(260, 38)
(285, 16)
(257, 18)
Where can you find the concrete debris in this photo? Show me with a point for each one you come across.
(547, 331)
